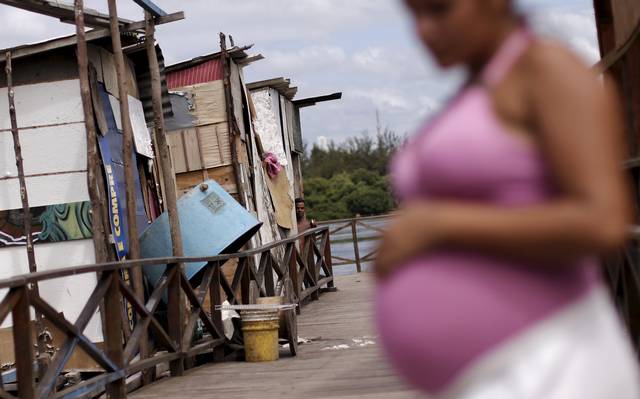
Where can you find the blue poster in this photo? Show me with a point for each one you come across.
(111, 151)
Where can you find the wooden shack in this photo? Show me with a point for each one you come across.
(53, 137)
(618, 23)
(206, 142)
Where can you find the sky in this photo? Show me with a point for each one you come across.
(365, 49)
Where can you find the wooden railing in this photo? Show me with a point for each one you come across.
(299, 275)
(365, 224)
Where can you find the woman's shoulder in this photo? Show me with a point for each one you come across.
(550, 66)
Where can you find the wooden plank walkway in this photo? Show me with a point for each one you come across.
(338, 318)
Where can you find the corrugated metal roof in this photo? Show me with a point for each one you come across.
(207, 71)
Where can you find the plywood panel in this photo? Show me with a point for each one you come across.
(177, 151)
(626, 14)
(210, 106)
(216, 149)
(46, 150)
(191, 149)
(45, 190)
(224, 176)
(44, 104)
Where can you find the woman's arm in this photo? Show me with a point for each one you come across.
(579, 128)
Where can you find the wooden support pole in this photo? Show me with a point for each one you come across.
(26, 211)
(93, 170)
(234, 135)
(176, 309)
(128, 158)
(22, 345)
(163, 157)
(113, 337)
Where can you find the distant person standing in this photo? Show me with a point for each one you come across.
(304, 224)
(301, 216)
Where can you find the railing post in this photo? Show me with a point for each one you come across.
(293, 274)
(22, 345)
(215, 298)
(113, 330)
(356, 250)
(327, 257)
(176, 317)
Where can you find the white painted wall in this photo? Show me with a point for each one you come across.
(60, 150)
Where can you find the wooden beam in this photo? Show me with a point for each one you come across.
(150, 7)
(129, 159)
(64, 12)
(95, 34)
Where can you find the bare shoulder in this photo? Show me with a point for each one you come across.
(554, 71)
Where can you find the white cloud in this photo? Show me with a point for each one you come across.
(364, 48)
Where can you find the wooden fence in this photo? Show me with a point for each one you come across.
(365, 223)
(300, 275)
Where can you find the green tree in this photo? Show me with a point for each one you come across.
(344, 180)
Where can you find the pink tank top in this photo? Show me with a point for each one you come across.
(444, 310)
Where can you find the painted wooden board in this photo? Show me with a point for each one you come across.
(44, 104)
(46, 150)
(51, 223)
(45, 190)
(141, 134)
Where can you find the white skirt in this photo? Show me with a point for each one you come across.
(581, 352)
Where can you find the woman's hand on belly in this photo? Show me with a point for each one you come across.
(411, 233)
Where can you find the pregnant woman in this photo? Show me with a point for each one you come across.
(489, 285)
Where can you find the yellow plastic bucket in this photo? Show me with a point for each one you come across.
(260, 331)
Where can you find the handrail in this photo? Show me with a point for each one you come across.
(299, 274)
(353, 224)
(27, 278)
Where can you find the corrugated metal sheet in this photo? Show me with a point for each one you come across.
(138, 54)
(208, 71)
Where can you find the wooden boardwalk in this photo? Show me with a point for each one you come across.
(320, 370)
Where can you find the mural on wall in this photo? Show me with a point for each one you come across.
(51, 223)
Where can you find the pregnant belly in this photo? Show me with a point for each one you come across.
(437, 314)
